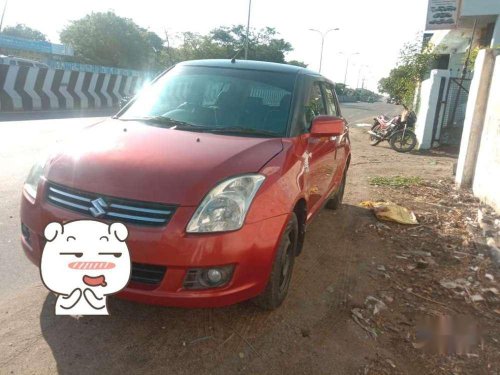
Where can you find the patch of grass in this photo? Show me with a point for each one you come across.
(395, 181)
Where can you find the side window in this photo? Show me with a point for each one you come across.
(331, 103)
(316, 105)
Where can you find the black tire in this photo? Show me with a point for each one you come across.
(403, 145)
(335, 201)
(374, 140)
(281, 273)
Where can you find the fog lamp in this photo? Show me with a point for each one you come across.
(205, 278)
(214, 275)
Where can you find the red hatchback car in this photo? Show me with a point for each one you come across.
(216, 168)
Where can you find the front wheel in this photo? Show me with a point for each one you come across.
(281, 273)
(403, 141)
(335, 201)
(375, 140)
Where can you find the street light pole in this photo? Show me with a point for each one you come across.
(248, 28)
(347, 65)
(3, 14)
(323, 36)
(359, 74)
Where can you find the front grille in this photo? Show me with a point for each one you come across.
(147, 273)
(111, 208)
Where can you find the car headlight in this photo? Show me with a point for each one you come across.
(226, 206)
(34, 177)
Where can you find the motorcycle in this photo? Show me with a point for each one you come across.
(397, 131)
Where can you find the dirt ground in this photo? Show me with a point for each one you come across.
(327, 325)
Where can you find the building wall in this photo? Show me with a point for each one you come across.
(24, 88)
(495, 40)
(456, 64)
(479, 7)
(486, 183)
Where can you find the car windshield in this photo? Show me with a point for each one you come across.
(225, 101)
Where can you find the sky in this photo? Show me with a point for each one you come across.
(376, 29)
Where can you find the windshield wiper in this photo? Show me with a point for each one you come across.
(242, 130)
(164, 120)
(182, 125)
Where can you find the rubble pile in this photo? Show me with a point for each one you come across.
(441, 268)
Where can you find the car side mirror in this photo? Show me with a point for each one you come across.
(327, 126)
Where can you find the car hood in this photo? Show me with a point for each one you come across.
(129, 159)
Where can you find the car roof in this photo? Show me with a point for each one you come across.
(250, 65)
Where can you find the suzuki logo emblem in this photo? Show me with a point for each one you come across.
(98, 207)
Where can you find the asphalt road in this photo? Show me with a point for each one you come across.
(26, 136)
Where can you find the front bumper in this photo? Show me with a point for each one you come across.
(251, 250)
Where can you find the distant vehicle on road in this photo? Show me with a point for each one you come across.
(216, 168)
(19, 61)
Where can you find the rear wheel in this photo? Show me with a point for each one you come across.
(335, 202)
(403, 141)
(281, 273)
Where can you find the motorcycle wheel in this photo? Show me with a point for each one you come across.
(406, 143)
(374, 140)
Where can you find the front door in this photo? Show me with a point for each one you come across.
(319, 152)
(336, 159)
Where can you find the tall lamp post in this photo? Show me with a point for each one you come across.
(323, 36)
(3, 14)
(359, 74)
(347, 64)
(248, 28)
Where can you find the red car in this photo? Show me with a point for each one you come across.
(216, 168)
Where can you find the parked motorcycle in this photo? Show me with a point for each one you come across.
(397, 131)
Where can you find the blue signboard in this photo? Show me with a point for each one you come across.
(12, 42)
(92, 68)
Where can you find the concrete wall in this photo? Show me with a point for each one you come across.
(25, 88)
(429, 95)
(487, 174)
(475, 118)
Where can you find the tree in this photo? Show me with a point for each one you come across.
(340, 89)
(364, 95)
(107, 39)
(227, 42)
(399, 85)
(23, 31)
(297, 63)
(413, 66)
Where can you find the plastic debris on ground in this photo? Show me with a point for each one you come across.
(390, 211)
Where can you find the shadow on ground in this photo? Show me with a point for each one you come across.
(315, 318)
